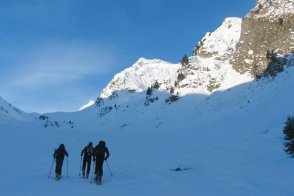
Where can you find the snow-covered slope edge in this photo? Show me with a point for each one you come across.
(9, 113)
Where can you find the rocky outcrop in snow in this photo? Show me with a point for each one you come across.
(268, 28)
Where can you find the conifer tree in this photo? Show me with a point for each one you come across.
(149, 91)
(289, 136)
(185, 60)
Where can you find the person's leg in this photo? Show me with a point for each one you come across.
(84, 166)
(88, 166)
(58, 169)
(96, 170)
(100, 171)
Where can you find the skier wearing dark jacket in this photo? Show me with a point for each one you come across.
(88, 152)
(99, 155)
(59, 156)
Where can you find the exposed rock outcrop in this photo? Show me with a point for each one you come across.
(268, 28)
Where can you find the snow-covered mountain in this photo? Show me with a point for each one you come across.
(208, 69)
(143, 74)
(205, 126)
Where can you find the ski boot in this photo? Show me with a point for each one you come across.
(57, 176)
(99, 180)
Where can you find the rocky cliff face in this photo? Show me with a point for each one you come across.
(268, 28)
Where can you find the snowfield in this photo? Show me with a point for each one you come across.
(227, 143)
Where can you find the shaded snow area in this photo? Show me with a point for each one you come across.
(227, 143)
(10, 114)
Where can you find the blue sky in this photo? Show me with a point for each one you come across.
(57, 55)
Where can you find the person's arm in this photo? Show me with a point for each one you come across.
(107, 154)
(54, 154)
(66, 154)
(83, 151)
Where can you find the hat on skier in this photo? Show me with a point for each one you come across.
(90, 143)
(102, 143)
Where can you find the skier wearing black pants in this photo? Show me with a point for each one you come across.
(59, 156)
(99, 155)
(88, 153)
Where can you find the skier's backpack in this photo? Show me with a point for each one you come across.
(89, 151)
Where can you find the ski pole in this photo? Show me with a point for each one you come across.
(67, 167)
(80, 166)
(92, 171)
(108, 167)
(51, 167)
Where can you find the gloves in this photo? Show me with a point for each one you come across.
(105, 158)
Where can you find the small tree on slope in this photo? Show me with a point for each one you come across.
(289, 136)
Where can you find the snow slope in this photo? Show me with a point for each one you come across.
(11, 114)
(231, 143)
